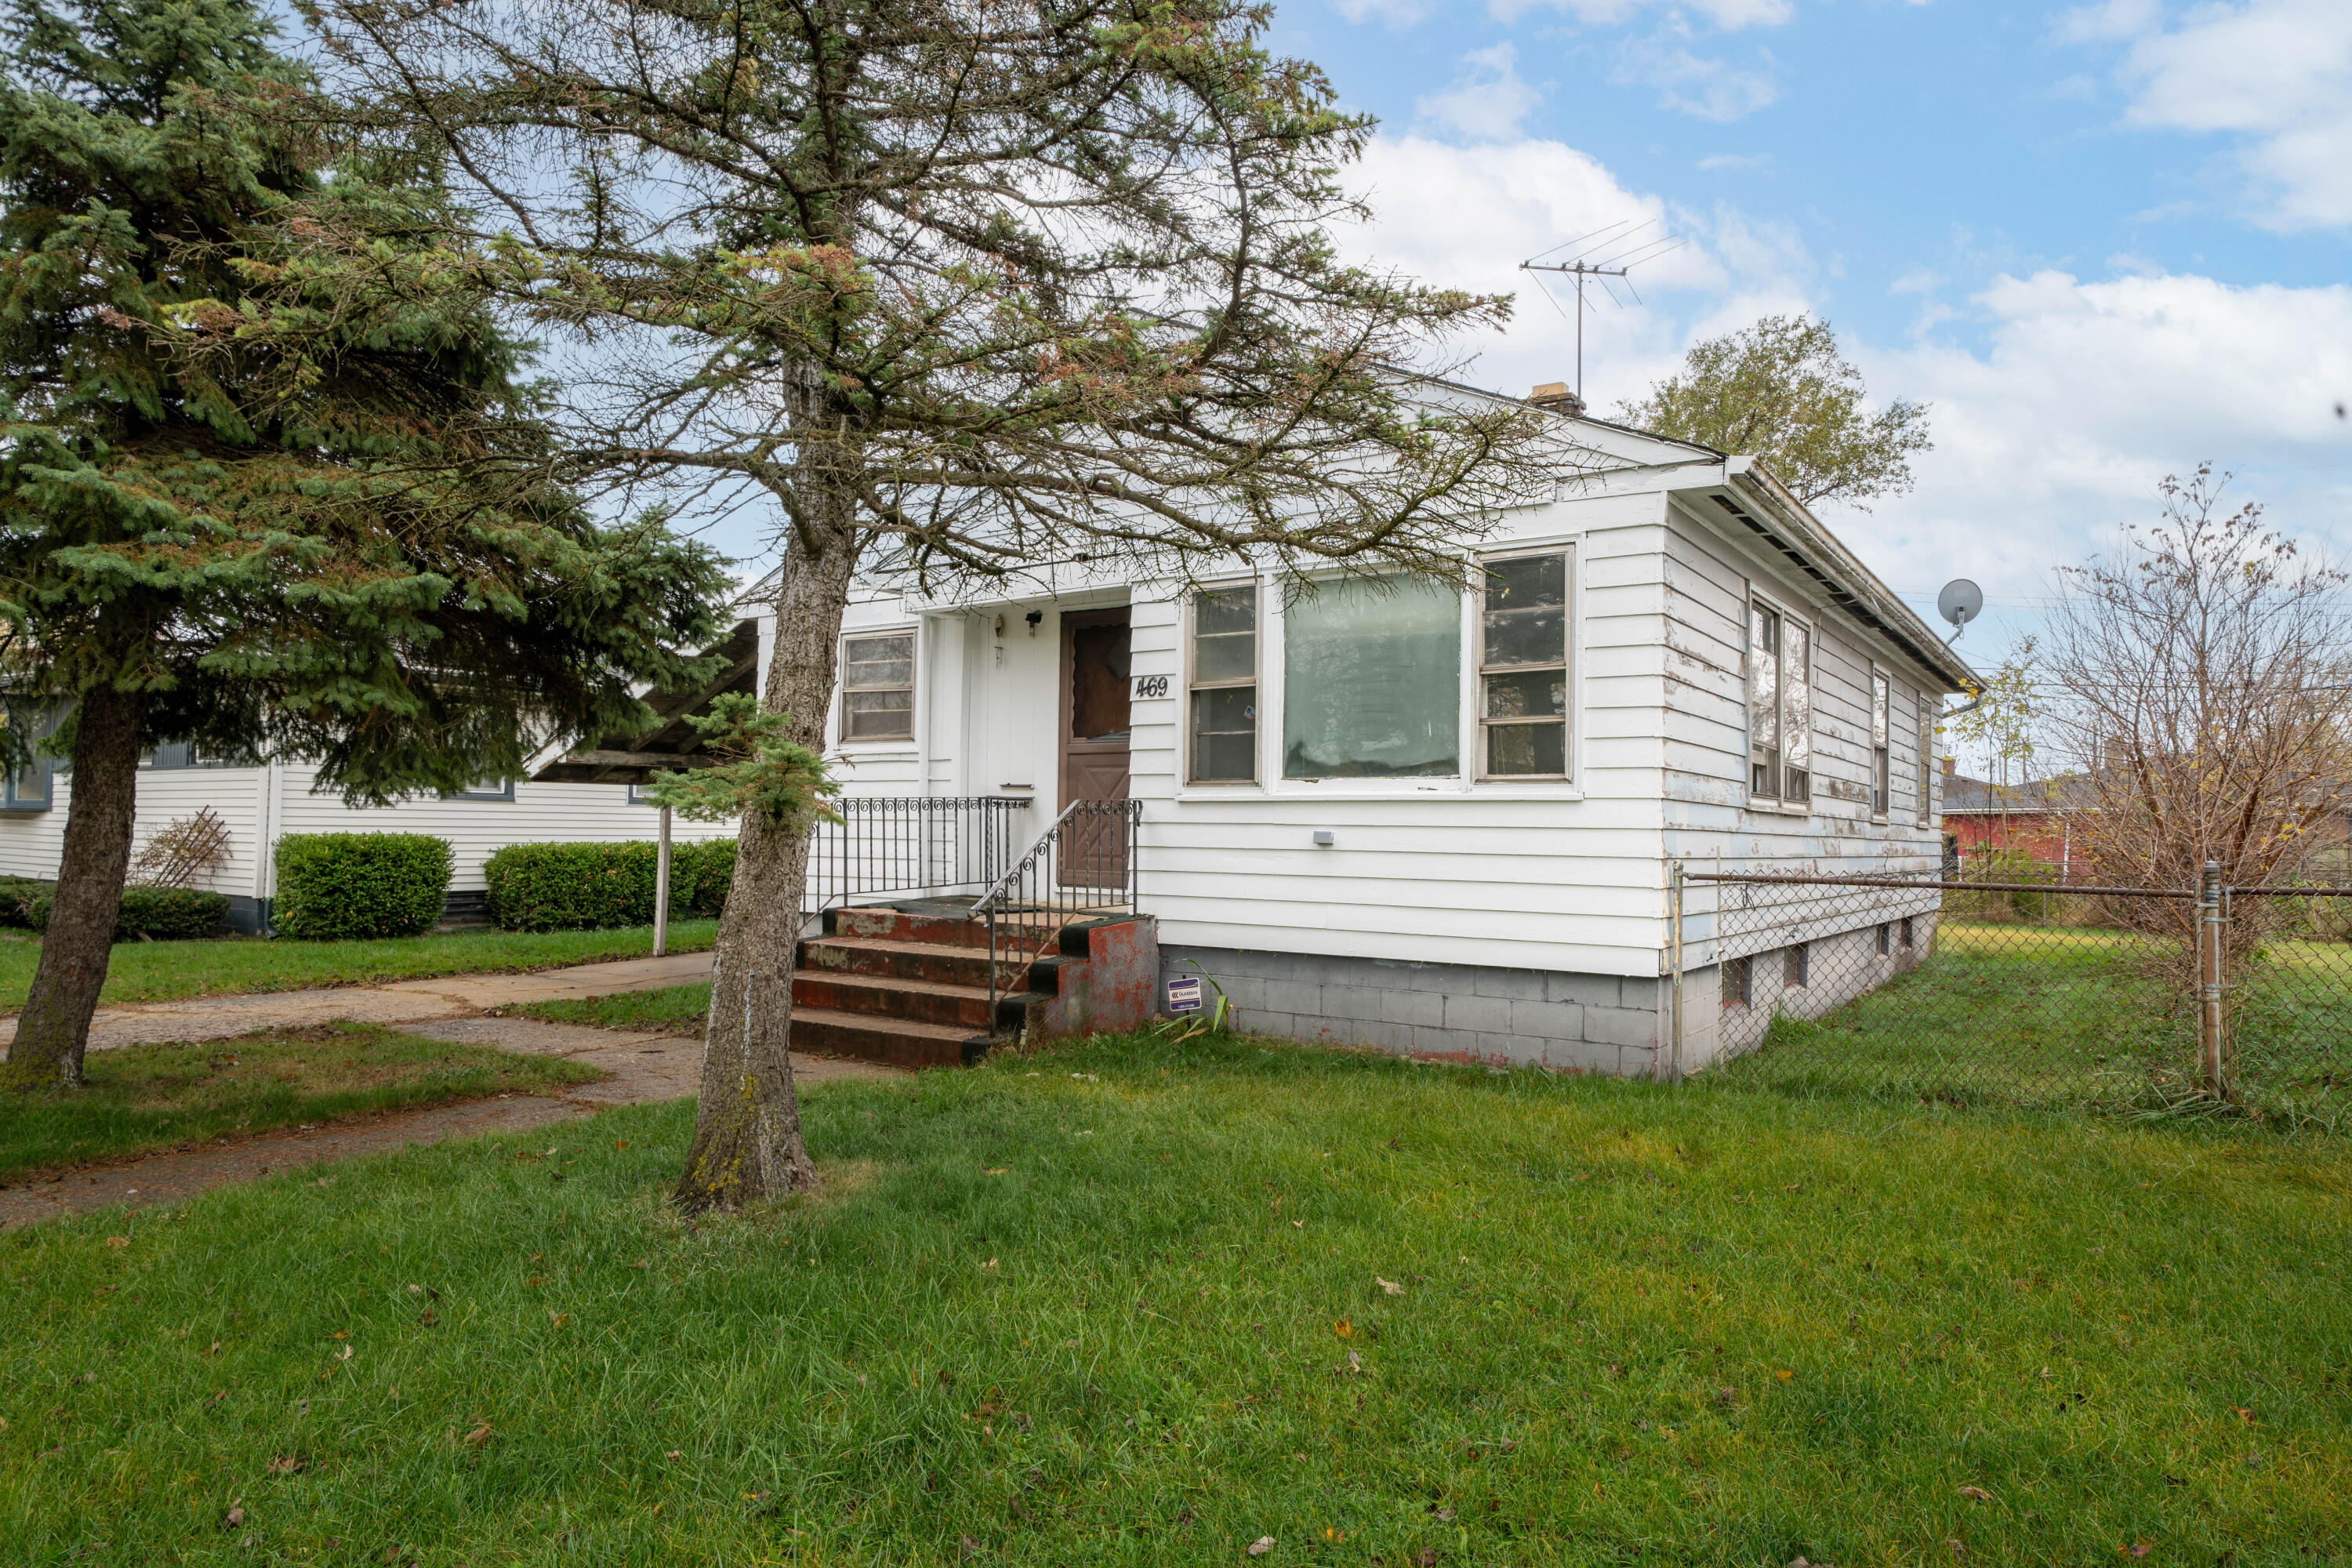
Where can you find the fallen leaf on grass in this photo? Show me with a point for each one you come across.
(1344, 1329)
(998, 1171)
(558, 1318)
(286, 1465)
(2243, 1414)
(1784, 1375)
(1976, 1494)
(235, 1517)
(429, 1317)
(479, 1436)
(620, 1143)
(1960, 1552)
(1388, 1286)
(2136, 1549)
(118, 1242)
(674, 1454)
(1261, 1546)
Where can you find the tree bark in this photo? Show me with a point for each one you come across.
(53, 1031)
(747, 1131)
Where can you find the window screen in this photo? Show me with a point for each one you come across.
(1372, 674)
(1780, 707)
(1523, 669)
(1223, 695)
(877, 687)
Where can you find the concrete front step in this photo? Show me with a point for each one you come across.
(897, 925)
(943, 964)
(899, 1041)
(923, 1001)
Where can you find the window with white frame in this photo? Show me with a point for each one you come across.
(1221, 697)
(877, 687)
(1522, 667)
(1880, 735)
(1779, 707)
(1372, 680)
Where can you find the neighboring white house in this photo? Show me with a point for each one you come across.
(1443, 823)
(260, 803)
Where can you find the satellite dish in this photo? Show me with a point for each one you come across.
(1960, 602)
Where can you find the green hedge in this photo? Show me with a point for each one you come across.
(163, 914)
(338, 885)
(15, 893)
(586, 887)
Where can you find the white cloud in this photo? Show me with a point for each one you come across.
(1707, 88)
(1719, 13)
(2109, 19)
(1395, 13)
(1487, 100)
(2275, 74)
(1719, 162)
(2058, 402)
(2085, 395)
(1465, 218)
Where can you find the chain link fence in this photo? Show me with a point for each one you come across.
(2154, 1001)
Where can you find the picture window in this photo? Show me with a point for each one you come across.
(1372, 680)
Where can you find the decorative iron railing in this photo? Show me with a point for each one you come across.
(1085, 864)
(927, 846)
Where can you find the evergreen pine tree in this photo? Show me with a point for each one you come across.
(254, 502)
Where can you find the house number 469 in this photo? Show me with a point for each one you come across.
(1149, 686)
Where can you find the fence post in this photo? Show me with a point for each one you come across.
(1675, 908)
(2213, 1057)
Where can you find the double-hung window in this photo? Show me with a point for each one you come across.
(1779, 707)
(877, 687)
(1222, 698)
(1372, 680)
(1879, 737)
(1523, 669)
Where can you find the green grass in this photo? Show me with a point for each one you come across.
(168, 971)
(1133, 1317)
(670, 1010)
(2044, 1016)
(143, 1098)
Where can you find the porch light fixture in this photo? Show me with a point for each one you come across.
(1034, 619)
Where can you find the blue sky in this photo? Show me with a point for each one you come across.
(2105, 241)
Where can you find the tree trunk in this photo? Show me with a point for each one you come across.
(53, 1029)
(747, 1131)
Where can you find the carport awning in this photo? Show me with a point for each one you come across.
(672, 744)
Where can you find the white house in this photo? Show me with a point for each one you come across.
(260, 802)
(1443, 822)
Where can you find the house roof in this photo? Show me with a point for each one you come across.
(1964, 796)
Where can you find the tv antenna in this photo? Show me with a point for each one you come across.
(1611, 252)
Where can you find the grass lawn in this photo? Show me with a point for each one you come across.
(142, 1097)
(671, 1010)
(167, 971)
(2037, 1016)
(1123, 1303)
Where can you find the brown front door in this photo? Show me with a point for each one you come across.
(1093, 732)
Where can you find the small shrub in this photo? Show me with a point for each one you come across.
(702, 874)
(590, 887)
(15, 893)
(334, 886)
(188, 851)
(159, 914)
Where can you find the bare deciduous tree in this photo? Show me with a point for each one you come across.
(965, 290)
(2204, 687)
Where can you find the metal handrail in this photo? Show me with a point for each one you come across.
(1036, 895)
(935, 844)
